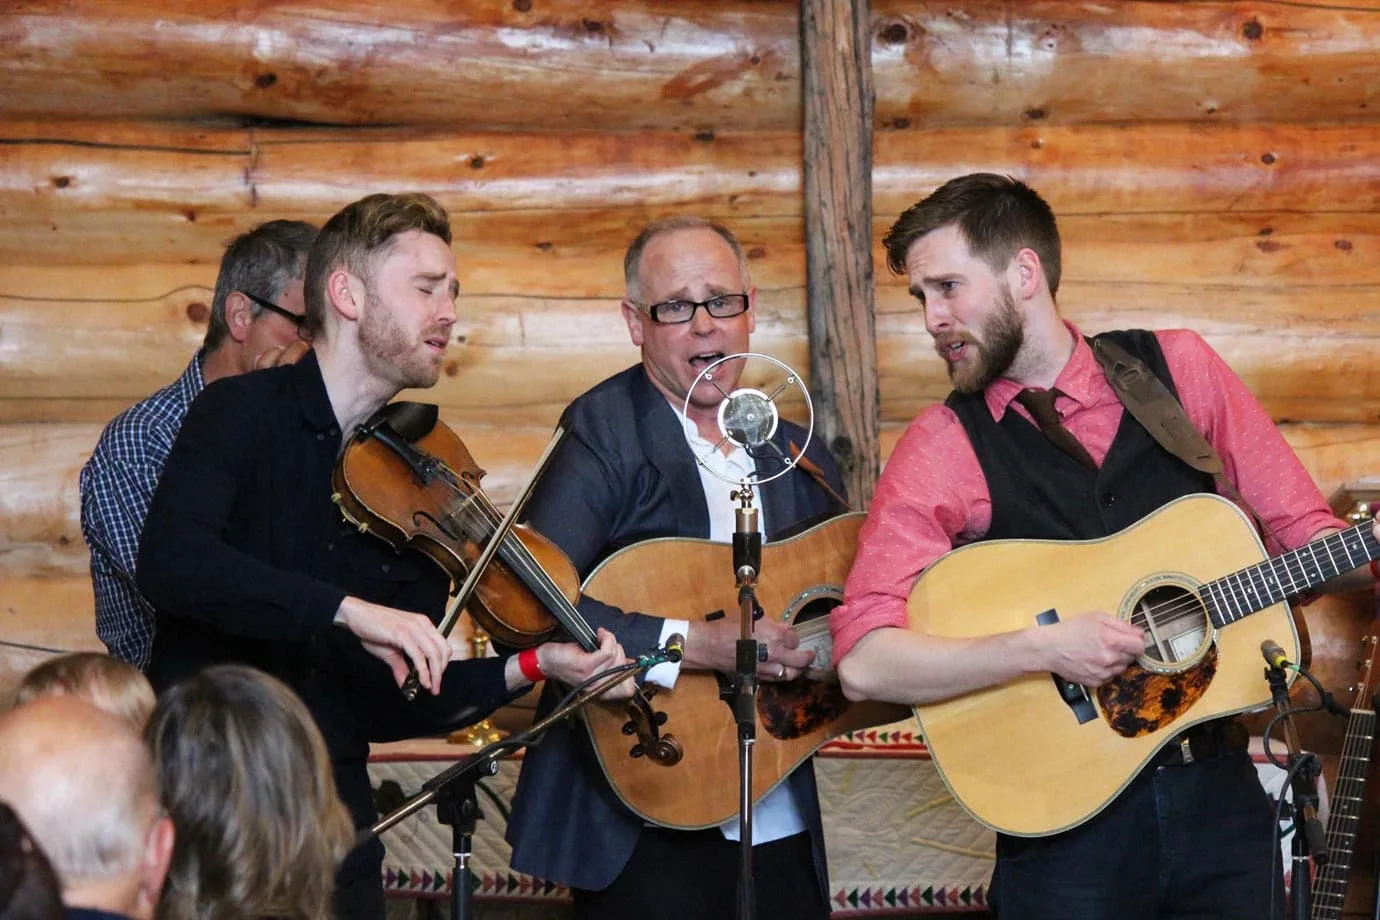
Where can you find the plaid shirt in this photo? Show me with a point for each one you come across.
(117, 485)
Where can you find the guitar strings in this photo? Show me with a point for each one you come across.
(1331, 881)
(1293, 564)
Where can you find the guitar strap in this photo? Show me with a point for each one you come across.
(1152, 404)
(817, 474)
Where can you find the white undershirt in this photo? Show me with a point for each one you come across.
(778, 814)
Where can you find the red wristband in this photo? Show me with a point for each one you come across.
(530, 666)
(1375, 569)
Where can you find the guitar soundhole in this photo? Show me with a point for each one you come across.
(813, 603)
(1175, 625)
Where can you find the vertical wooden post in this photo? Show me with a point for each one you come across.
(836, 65)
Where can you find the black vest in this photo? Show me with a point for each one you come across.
(1040, 492)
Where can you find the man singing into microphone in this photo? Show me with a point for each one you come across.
(626, 473)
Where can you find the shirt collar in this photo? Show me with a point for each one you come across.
(738, 462)
(192, 382)
(311, 393)
(1077, 380)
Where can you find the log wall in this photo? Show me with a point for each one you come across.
(1214, 165)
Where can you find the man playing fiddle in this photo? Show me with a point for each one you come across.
(246, 558)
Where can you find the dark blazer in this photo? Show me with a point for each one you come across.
(625, 474)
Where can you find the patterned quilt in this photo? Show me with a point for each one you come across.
(897, 841)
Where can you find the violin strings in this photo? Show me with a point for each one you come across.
(517, 557)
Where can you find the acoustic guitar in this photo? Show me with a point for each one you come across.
(1038, 754)
(691, 779)
(1329, 883)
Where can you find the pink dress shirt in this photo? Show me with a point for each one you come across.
(932, 496)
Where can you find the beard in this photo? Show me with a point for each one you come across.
(391, 353)
(995, 347)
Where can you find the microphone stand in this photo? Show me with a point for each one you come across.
(453, 789)
(1303, 772)
(747, 564)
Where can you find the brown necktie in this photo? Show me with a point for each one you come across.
(1040, 403)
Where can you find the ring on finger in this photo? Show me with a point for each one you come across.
(781, 671)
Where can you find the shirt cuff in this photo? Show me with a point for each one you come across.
(666, 673)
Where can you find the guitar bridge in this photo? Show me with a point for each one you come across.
(1075, 696)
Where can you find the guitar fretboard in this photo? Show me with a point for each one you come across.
(1329, 886)
(1239, 594)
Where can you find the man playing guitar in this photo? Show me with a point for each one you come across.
(1190, 835)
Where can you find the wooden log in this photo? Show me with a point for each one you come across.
(518, 360)
(15, 662)
(1314, 366)
(48, 613)
(1336, 254)
(75, 201)
(541, 257)
(838, 235)
(563, 65)
(40, 534)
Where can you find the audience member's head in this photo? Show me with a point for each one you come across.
(247, 780)
(28, 886)
(107, 683)
(82, 781)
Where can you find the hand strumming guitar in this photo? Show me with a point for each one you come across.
(1089, 649)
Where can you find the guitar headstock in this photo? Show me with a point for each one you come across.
(1365, 683)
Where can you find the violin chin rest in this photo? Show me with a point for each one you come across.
(411, 420)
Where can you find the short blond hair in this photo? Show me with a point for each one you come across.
(109, 684)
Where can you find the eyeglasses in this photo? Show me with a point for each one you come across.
(721, 306)
(294, 318)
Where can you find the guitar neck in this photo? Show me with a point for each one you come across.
(1267, 583)
(1329, 887)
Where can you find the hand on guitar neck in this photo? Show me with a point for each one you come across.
(710, 647)
(1360, 579)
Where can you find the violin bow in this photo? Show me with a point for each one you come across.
(456, 605)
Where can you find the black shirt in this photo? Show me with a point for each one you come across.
(246, 559)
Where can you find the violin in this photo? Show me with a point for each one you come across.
(408, 479)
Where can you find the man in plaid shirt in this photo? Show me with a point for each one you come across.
(255, 314)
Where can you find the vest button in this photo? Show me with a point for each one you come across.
(1108, 499)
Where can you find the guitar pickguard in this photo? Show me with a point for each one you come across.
(795, 709)
(1140, 701)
